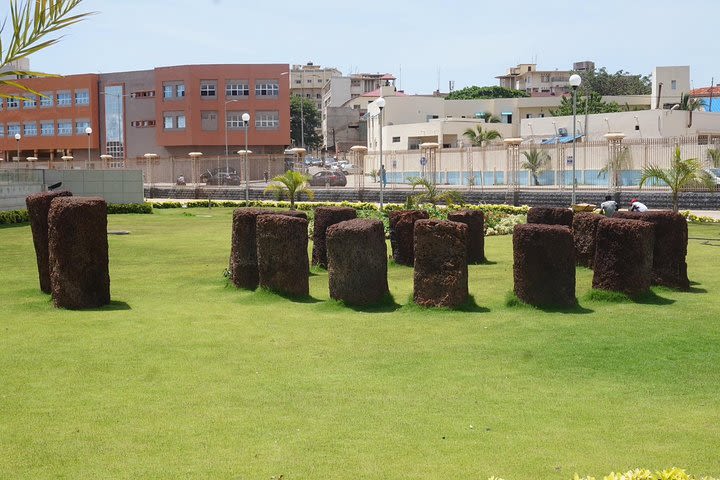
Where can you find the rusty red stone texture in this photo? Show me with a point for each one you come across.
(78, 248)
(550, 216)
(670, 249)
(584, 230)
(623, 256)
(441, 269)
(325, 217)
(475, 220)
(544, 265)
(357, 261)
(243, 251)
(38, 206)
(282, 254)
(402, 225)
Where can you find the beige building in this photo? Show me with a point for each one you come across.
(406, 118)
(528, 78)
(668, 85)
(308, 81)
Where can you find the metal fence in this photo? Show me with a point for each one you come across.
(598, 165)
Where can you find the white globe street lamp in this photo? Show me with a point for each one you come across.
(380, 102)
(246, 123)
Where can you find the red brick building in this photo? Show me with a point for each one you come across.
(169, 111)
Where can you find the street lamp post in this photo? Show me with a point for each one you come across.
(17, 141)
(381, 104)
(88, 131)
(246, 123)
(575, 82)
(227, 168)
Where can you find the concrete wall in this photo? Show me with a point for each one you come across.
(12, 196)
(115, 186)
(666, 75)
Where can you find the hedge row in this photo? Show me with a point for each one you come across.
(21, 216)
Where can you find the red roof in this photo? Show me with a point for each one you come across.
(705, 92)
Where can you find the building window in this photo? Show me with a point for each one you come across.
(13, 103)
(64, 99)
(673, 85)
(267, 88)
(173, 90)
(237, 88)
(2, 130)
(46, 100)
(267, 120)
(47, 129)
(208, 89)
(82, 97)
(234, 120)
(143, 94)
(173, 120)
(30, 101)
(13, 129)
(395, 139)
(2, 103)
(80, 127)
(30, 129)
(142, 123)
(64, 127)
(208, 121)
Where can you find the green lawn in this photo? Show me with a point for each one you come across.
(184, 376)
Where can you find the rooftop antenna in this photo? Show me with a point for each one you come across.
(400, 78)
(438, 86)
(712, 84)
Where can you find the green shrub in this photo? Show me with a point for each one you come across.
(130, 208)
(13, 216)
(644, 474)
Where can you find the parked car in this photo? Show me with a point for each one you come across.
(715, 174)
(350, 169)
(325, 177)
(221, 176)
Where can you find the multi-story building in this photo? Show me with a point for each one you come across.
(308, 81)
(168, 111)
(353, 92)
(537, 83)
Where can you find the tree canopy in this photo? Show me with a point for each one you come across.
(311, 116)
(475, 92)
(618, 83)
(585, 104)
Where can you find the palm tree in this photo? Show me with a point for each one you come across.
(292, 184)
(480, 137)
(714, 156)
(32, 22)
(616, 166)
(535, 161)
(432, 195)
(690, 104)
(680, 175)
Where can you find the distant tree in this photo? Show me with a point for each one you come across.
(535, 161)
(311, 117)
(585, 104)
(475, 92)
(480, 137)
(616, 165)
(291, 184)
(714, 157)
(690, 104)
(680, 175)
(431, 194)
(31, 23)
(618, 83)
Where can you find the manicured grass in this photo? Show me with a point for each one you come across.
(184, 376)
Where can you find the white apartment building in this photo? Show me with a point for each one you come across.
(412, 120)
(528, 78)
(308, 81)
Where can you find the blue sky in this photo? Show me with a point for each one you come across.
(468, 42)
